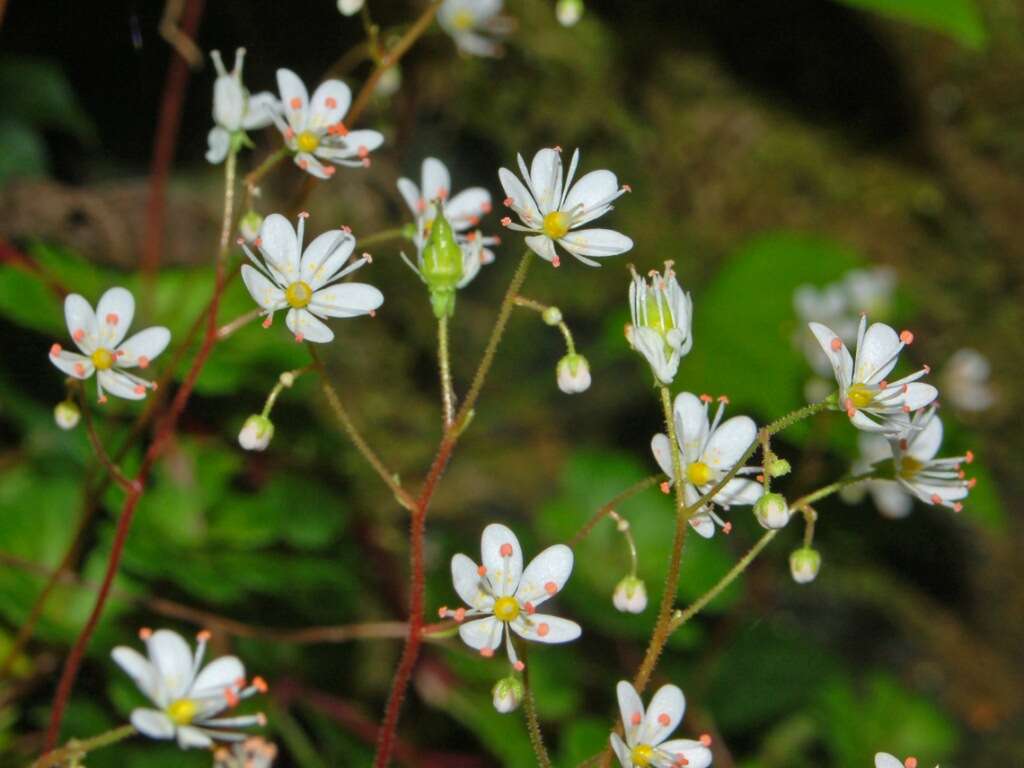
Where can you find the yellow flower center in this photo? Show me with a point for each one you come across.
(698, 473)
(860, 395)
(182, 711)
(103, 358)
(642, 755)
(556, 224)
(909, 466)
(463, 20)
(307, 141)
(298, 294)
(506, 608)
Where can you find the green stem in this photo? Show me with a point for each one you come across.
(76, 749)
(285, 380)
(444, 365)
(608, 508)
(382, 237)
(254, 177)
(533, 722)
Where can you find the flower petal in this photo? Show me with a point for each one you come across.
(596, 242)
(631, 709)
(312, 165)
(294, 99)
(505, 569)
(739, 491)
(173, 659)
(411, 194)
(543, 246)
(263, 292)
(481, 633)
(591, 193)
(119, 384)
(325, 256)
(189, 736)
(148, 344)
(114, 314)
(546, 179)
(228, 103)
(919, 395)
(73, 364)
(469, 585)
(346, 300)
(890, 499)
(280, 246)
(661, 447)
(465, 209)
(522, 199)
(691, 425)
(694, 754)
(877, 354)
(139, 670)
(545, 629)
(217, 676)
(924, 444)
(545, 575)
(663, 715)
(840, 359)
(885, 760)
(260, 109)
(152, 723)
(621, 751)
(81, 322)
(329, 104)
(217, 142)
(303, 324)
(436, 180)
(729, 442)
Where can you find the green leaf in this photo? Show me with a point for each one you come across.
(959, 19)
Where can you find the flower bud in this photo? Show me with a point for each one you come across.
(256, 433)
(630, 595)
(350, 7)
(804, 564)
(287, 379)
(441, 265)
(573, 374)
(772, 511)
(552, 315)
(568, 12)
(66, 414)
(508, 694)
(662, 313)
(779, 468)
(389, 83)
(249, 225)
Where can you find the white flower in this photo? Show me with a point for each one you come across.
(188, 699)
(869, 290)
(569, 12)
(252, 753)
(99, 336)
(313, 128)
(257, 432)
(309, 285)
(630, 595)
(709, 452)
(573, 373)
(552, 210)
(66, 414)
(469, 22)
(507, 596)
(885, 760)
(965, 380)
(234, 110)
(350, 7)
(662, 315)
(871, 402)
(646, 732)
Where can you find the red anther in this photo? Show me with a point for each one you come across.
(303, 163)
(957, 506)
(240, 682)
(550, 587)
(472, 236)
(240, 241)
(836, 344)
(906, 337)
(972, 482)
(203, 635)
(507, 202)
(636, 718)
(266, 323)
(910, 762)
(542, 630)
(883, 384)
(705, 739)
(627, 188)
(506, 220)
(505, 550)
(331, 102)
(482, 570)
(936, 499)
(927, 368)
(723, 399)
(705, 398)
(103, 400)
(557, 148)
(529, 608)
(905, 409)
(258, 242)
(78, 335)
(145, 633)
(727, 529)
(289, 133)
(260, 684)
(460, 615)
(111, 318)
(969, 456)
(518, 666)
(372, 313)
(139, 389)
(961, 474)
(681, 760)
(664, 719)
(486, 207)
(296, 102)
(261, 719)
(303, 214)
(231, 697)
(442, 611)
(487, 652)
(760, 478)
(347, 230)
(664, 487)
(80, 370)
(556, 262)
(298, 338)
(55, 350)
(363, 152)
(474, 220)
(337, 129)
(143, 361)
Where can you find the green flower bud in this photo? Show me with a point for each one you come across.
(249, 225)
(779, 468)
(66, 414)
(441, 266)
(573, 373)
(256, 433)
(568, 12)
(630, 595)
(804, 564)
(552, 315)
(508, 694)
(772, 510)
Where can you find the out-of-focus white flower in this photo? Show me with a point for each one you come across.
(350, 7)
(772, 511)
(662, 314)
(569, 12)
(552, 208)
(99, 336)
(507, 596)
(66, 414)
(708, 452)
(308, 285)
(257, 432)
(234, 110)
(251, 753)
(471, 23)
(573, 374)
(389, 82)
(965, 381)
(313, 128)
(804, 564)
(869, 290)
(630, 595)
(871, 402)
(885, 760)
(507, 694)
(188, 698)
(646, 732)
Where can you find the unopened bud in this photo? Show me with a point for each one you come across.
(573, 373)
(568, 12)
(508, 694)
(256, 433)
(552, 315)
(630, 595)
(779, 468)
(350, 7)
(441, 265)
(66, 414)
(249, 225)
(287, 379)
(804, 565)
(772, 511)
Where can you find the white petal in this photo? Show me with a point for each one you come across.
(218, 675)
(621, 751)
(279, 241)
(545, 629)
(73, 364)
(189, 736)
(114, 315)
(691, 424)
(228, 103)
(120, 384)
(173, 659)
(542, 245)
(436, 180)
(148, 344)
(729, 442)
(325, 256)
(591, 190)
(661, 447)
(312, 165)
(840, 359)
(469, 585)
(303, 324)
(876, 354)
(152, 723)
(329, 104)
(739, 491)
(411, 194)
(663, 714)
(919, 395)
(263, 292)
(551, 567)
(260, 109)
(346, 300)
(522, 199)
(217, 142)
(890, 499)
(481, 633)
(631, 709)
(703, 525)
(81, 322)
(885, 760)
(465, 209)
(596, 242)
(695, 753)
(503, 571)
(139, 669)
(546, 179)
(294, 99)
(355, 141)
(923, 445)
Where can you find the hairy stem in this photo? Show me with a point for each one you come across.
(533, 722)
(445, 369)
(76, 749)
(608, 508)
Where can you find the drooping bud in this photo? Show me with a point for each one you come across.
(552, 316)
(779, 468)
(256, 433)
(249, 225)
(508, 694)
(573, 373)
(804, 564)
(568, 12)
(441, 265)
(772, 511)
(350, 7)
(630, 595)
(662, 314)
(66, 414)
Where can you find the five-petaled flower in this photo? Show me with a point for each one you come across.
(507, 596)
(873, 403)
(469, 22)
(552, 207)
(234, 110)
(100, 336)
(709, 451)
(254, 752)
(662, 314)
(646, 732)
(188, 698)
(308, 285)
(313, 128)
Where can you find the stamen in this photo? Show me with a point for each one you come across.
(907, 337)
(145, 633)
(636, 718)
(143, 361)
(542, 630)
(519, 666)
(112, 318)
(330, 102)
(260, 684)
(529, 608)
(664, 719)
(55, 350)
(705, 739)
(506, 220)
(482, 570)
(442, 612)
(506, 550)
(460, 615)
(487, 652)
(664, 487)
(836, 344)
(551, 587)
(910, 762)
(556, 262)
(78, 335)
